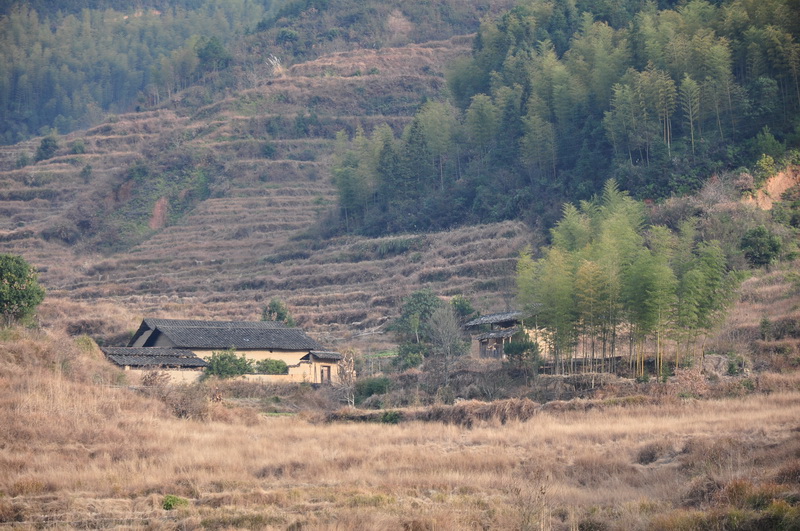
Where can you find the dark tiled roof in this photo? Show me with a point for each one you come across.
(495, 318)
(153, 357)
(150, 324)
(326, 355)
(498, 334)
(154, 323)
(240, 338)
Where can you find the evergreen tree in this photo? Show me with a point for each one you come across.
(20, 292)
(276, 310)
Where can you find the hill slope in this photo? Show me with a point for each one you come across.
(124, 231)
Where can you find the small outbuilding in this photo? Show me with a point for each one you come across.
(494, 331)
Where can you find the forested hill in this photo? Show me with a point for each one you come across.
(65, 65)
(559, 96)
(556, 97)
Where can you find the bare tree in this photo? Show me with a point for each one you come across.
(347, 377)
(447, 341)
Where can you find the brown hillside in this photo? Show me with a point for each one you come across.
(234, 251)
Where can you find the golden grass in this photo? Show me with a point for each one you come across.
(77, 450)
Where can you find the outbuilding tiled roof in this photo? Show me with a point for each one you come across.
(326, 355)
(154, 357)
(495, 318)
(498, 334)
(240, 338)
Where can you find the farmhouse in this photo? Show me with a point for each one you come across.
(182, 347)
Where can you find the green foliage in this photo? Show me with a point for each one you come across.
(212, 54)
(23, 160)
(391, 417)
(410, 355)
(761, 247)
(227, 364)
(20, 292)
(47, 148)
(522, 354)
(414, 315)
(270, 366)
(463, 308)
(276, 310)
(658, 98)
(367, 387)
(286, 36)
(607, 271)
(86, 173)
(171, 502)
(77, 147)
(62, 68)
(787, 210)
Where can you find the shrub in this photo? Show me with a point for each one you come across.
(410, 355)
(171, 502)
(268, 150)
(78, 147)
(372, 386)
(272, 367)
(651, 452)
(276, 310)
(391, 417)
(47, 148)
(20, 292)
(86, 173)
(228, 365)
(286, 36)
(761, 247)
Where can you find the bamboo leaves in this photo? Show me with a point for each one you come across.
(608, 275)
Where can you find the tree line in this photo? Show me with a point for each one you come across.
(556, 97)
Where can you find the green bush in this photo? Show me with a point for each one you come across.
(47, 148)
(372, 386)
(761, 247)
(20, 292)
(228, 365)
(410, 355)
(272, 367)
(276, 310)
(391, 417)
(78, 147)
(171, 502)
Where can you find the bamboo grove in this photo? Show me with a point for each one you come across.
(610, 286)
(558, 96)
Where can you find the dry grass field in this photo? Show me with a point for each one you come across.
(77, 450)
(81, 449)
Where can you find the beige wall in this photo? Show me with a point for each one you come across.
(290, 357)
(176, 376)
(299, 371)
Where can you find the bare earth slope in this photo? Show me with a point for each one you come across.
(234, 251)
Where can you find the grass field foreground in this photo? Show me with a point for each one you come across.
(77, 450)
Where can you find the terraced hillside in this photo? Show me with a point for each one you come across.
(251, 237)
